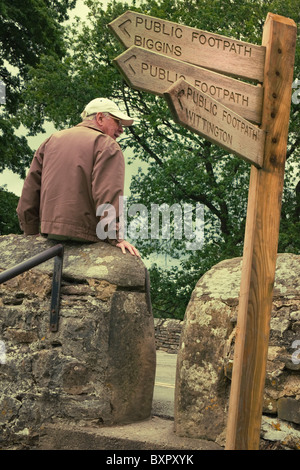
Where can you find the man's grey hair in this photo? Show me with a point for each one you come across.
(90, 117)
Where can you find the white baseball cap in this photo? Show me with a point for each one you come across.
(104, 105)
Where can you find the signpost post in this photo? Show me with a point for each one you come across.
(227, 124)
(261, 241)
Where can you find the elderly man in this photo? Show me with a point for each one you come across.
(73, 173)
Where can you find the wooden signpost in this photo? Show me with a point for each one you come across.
(149, 71)
(261, 240)
(207, 117)
(212, 51)
(226, 125)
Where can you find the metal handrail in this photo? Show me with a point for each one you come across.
(56, 252)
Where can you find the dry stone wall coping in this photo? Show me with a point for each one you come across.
(92, 261)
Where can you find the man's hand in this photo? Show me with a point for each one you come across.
(124, 245)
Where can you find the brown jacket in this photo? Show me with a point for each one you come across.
(71, 174)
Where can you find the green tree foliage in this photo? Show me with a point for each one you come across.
(177, 166)
(28, 29)
(8, 221)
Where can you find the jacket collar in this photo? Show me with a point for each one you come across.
(89, 124)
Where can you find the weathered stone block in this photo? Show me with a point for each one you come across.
(205, 356)
(100, 364)
(289, 409)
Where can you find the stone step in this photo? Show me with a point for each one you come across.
(153, 434)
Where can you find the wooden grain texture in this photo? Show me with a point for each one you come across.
(153, 72)
(207, 117)
(261, 241)
(198, 47)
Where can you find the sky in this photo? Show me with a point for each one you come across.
(12, 181)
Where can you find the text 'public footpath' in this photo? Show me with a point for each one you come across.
(166, 31)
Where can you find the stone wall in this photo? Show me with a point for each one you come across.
(205, 356)
(167, 334)
(99, 365)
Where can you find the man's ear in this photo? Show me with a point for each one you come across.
(99, 119)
